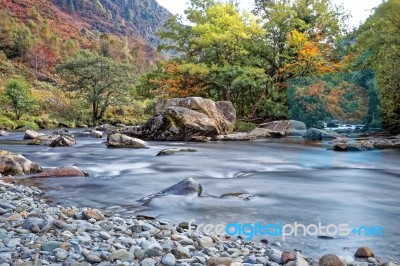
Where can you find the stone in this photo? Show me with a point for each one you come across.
(123, 141)
(93, 257)
(260, 133)
(169, 260)
(182, 253)
(153, 253)
(4, 133)
(330, 260)
(139, 253)
(71, 171)
(205, 241)
(63, 141)
(238, 136)
(148, 262)
(175, 150)
(217, 261)
(105, 235)
(239, 195)
(60, 254)
(121, 254)
(33, 224)
(364, 252)
(92, 213)
(15, 164)
(50, 246)
(287, 256)
(183, 118)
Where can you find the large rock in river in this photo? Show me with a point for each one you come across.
(183, 118)
(123, 141)
(15, 164)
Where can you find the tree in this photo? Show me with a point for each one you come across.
(18, 92)
(101, 80)
(8, 29)
(41, 58)
(380, 37)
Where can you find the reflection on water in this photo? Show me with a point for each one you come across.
(293, 181)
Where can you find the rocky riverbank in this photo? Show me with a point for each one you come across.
(34, 233)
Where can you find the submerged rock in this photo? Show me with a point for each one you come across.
(123, 141)
(239, 195)
(183, 118)
(174, 150)
(15, 164)
(61, 172)
(186, 187)
(4, 133)
(319, 134)
(90, 134)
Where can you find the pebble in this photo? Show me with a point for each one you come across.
(169, 260)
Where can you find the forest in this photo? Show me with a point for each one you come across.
(285, 59)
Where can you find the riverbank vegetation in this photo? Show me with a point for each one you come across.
(215, 51)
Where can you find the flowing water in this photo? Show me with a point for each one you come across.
(293, 181)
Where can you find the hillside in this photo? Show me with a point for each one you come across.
(87, 20)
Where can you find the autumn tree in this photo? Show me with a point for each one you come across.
(41, 58)
(102, 81)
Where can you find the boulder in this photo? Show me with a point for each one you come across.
(62, 132)
(174, 150)
(103, 127)
(319, 134)
(123, 141)
(202, 139)
(61, 172)
(63, 141)
(30, 134)
(15, 164)
(182, 118)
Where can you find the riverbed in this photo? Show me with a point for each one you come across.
(292, 180)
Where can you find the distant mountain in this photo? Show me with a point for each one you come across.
(143, 18)
(138, 20)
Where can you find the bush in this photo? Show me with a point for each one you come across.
(30, 124)
(5, 122)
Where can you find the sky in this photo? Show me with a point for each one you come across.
(359, 9)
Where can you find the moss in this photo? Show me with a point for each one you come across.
(10, 171)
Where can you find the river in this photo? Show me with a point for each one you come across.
(293, 181)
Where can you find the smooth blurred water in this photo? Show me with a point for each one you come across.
(293, 181)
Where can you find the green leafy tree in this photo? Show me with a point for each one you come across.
(379, 37)
(19, 94)
(102, 81)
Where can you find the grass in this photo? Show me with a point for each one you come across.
(242, 126)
